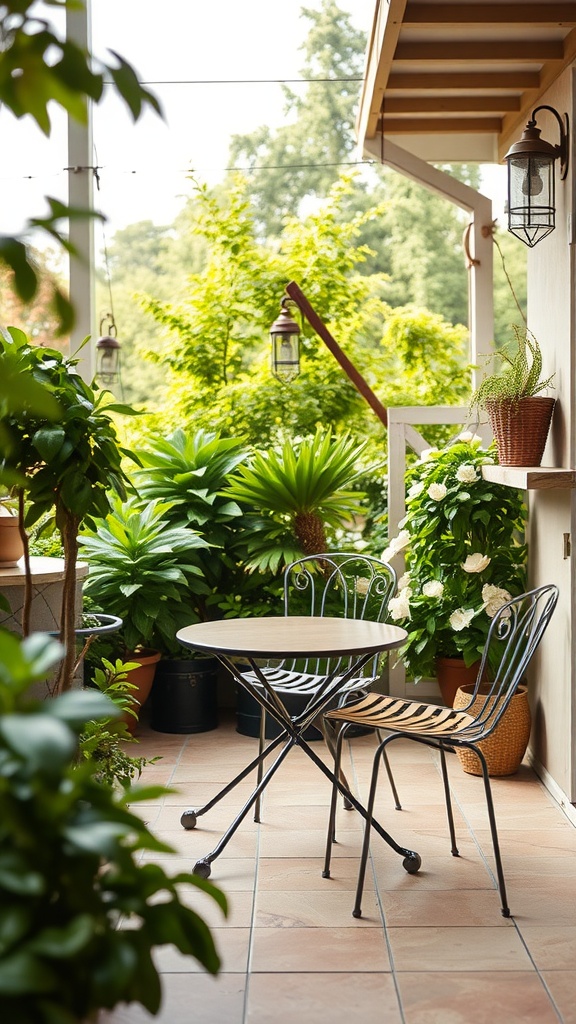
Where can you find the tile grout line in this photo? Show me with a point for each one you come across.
(380, 904)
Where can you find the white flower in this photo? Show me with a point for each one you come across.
(399, 607)
(461, 618)
(433, 588)
(396, 545)
(466, 474)
(437, 491)
(427, 454)
(476, 562)
(416, 489)
(494, 598)
(362, 585)
(467, 435)
(404, 581)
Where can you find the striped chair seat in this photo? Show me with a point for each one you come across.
(405, 716)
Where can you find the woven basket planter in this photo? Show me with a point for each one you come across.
(520, 429)
(506, 746)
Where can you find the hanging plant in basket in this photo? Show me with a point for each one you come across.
(519, 414)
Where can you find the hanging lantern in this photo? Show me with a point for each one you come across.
(108, 353)
(531, 180)
(285, 339)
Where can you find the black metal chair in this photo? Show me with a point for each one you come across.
(340, 584)
(515, 632)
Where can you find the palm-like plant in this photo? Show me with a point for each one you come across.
(298, 492)
(141, 570)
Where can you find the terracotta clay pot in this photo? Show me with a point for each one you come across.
(11, 546)
(452, 673)
(142, 677)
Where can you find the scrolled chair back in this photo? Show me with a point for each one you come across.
(341, 584)
(515, 632)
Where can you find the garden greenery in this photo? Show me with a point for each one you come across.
(462, 537)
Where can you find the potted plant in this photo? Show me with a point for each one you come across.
(63, 458)
(141, 569)
(519, 415)
(463, 543)
(11, 545)
(82, 911)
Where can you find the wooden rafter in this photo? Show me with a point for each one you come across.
(543, 14)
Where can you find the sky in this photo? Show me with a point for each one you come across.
(144, 168)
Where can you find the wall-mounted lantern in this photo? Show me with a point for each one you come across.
(285, 340)
(531, 205)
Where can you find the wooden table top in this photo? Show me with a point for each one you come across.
(291, 636)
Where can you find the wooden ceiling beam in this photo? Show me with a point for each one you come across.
(451, 104)
(486, 51)
(544, 14)
(422, 81)
(440, 126)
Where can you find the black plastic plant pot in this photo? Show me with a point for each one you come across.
(102, 624)
(185, 696)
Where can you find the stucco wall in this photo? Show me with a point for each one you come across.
(551, 286)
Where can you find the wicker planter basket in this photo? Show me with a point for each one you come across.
(506, 746)
(521, 429)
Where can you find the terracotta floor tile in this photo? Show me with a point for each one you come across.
(221, 999)
(278, 841)
(318, 950)
(232, 944)
(316, 909)
(552, 947)
(562, 987)
(447, 873)
(536, 841)
(318, 998)
(425, 909)
(458, 949)
(475, 998)
(278, 873)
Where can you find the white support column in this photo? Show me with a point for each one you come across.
(481, 302)
(80, 194)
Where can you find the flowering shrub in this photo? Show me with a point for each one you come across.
(465, 556)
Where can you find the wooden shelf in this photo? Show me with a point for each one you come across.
(531, 478)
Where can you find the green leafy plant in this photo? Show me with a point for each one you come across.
(80, 915)
(66, 465)
(101, 740)
(463, 542)
(520, 375)
(187, 471)
(141, 569)
(298, 492)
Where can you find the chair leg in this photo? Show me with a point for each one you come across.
(386, 763)
(331, 833)
(357, 912)
(455, 851)
(329, 739)
(505, 909)
(261, 742)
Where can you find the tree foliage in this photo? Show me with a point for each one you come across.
(305, 155)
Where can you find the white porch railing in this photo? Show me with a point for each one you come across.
(402, 435)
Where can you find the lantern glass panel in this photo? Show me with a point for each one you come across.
(531, 209)
(285, 357)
